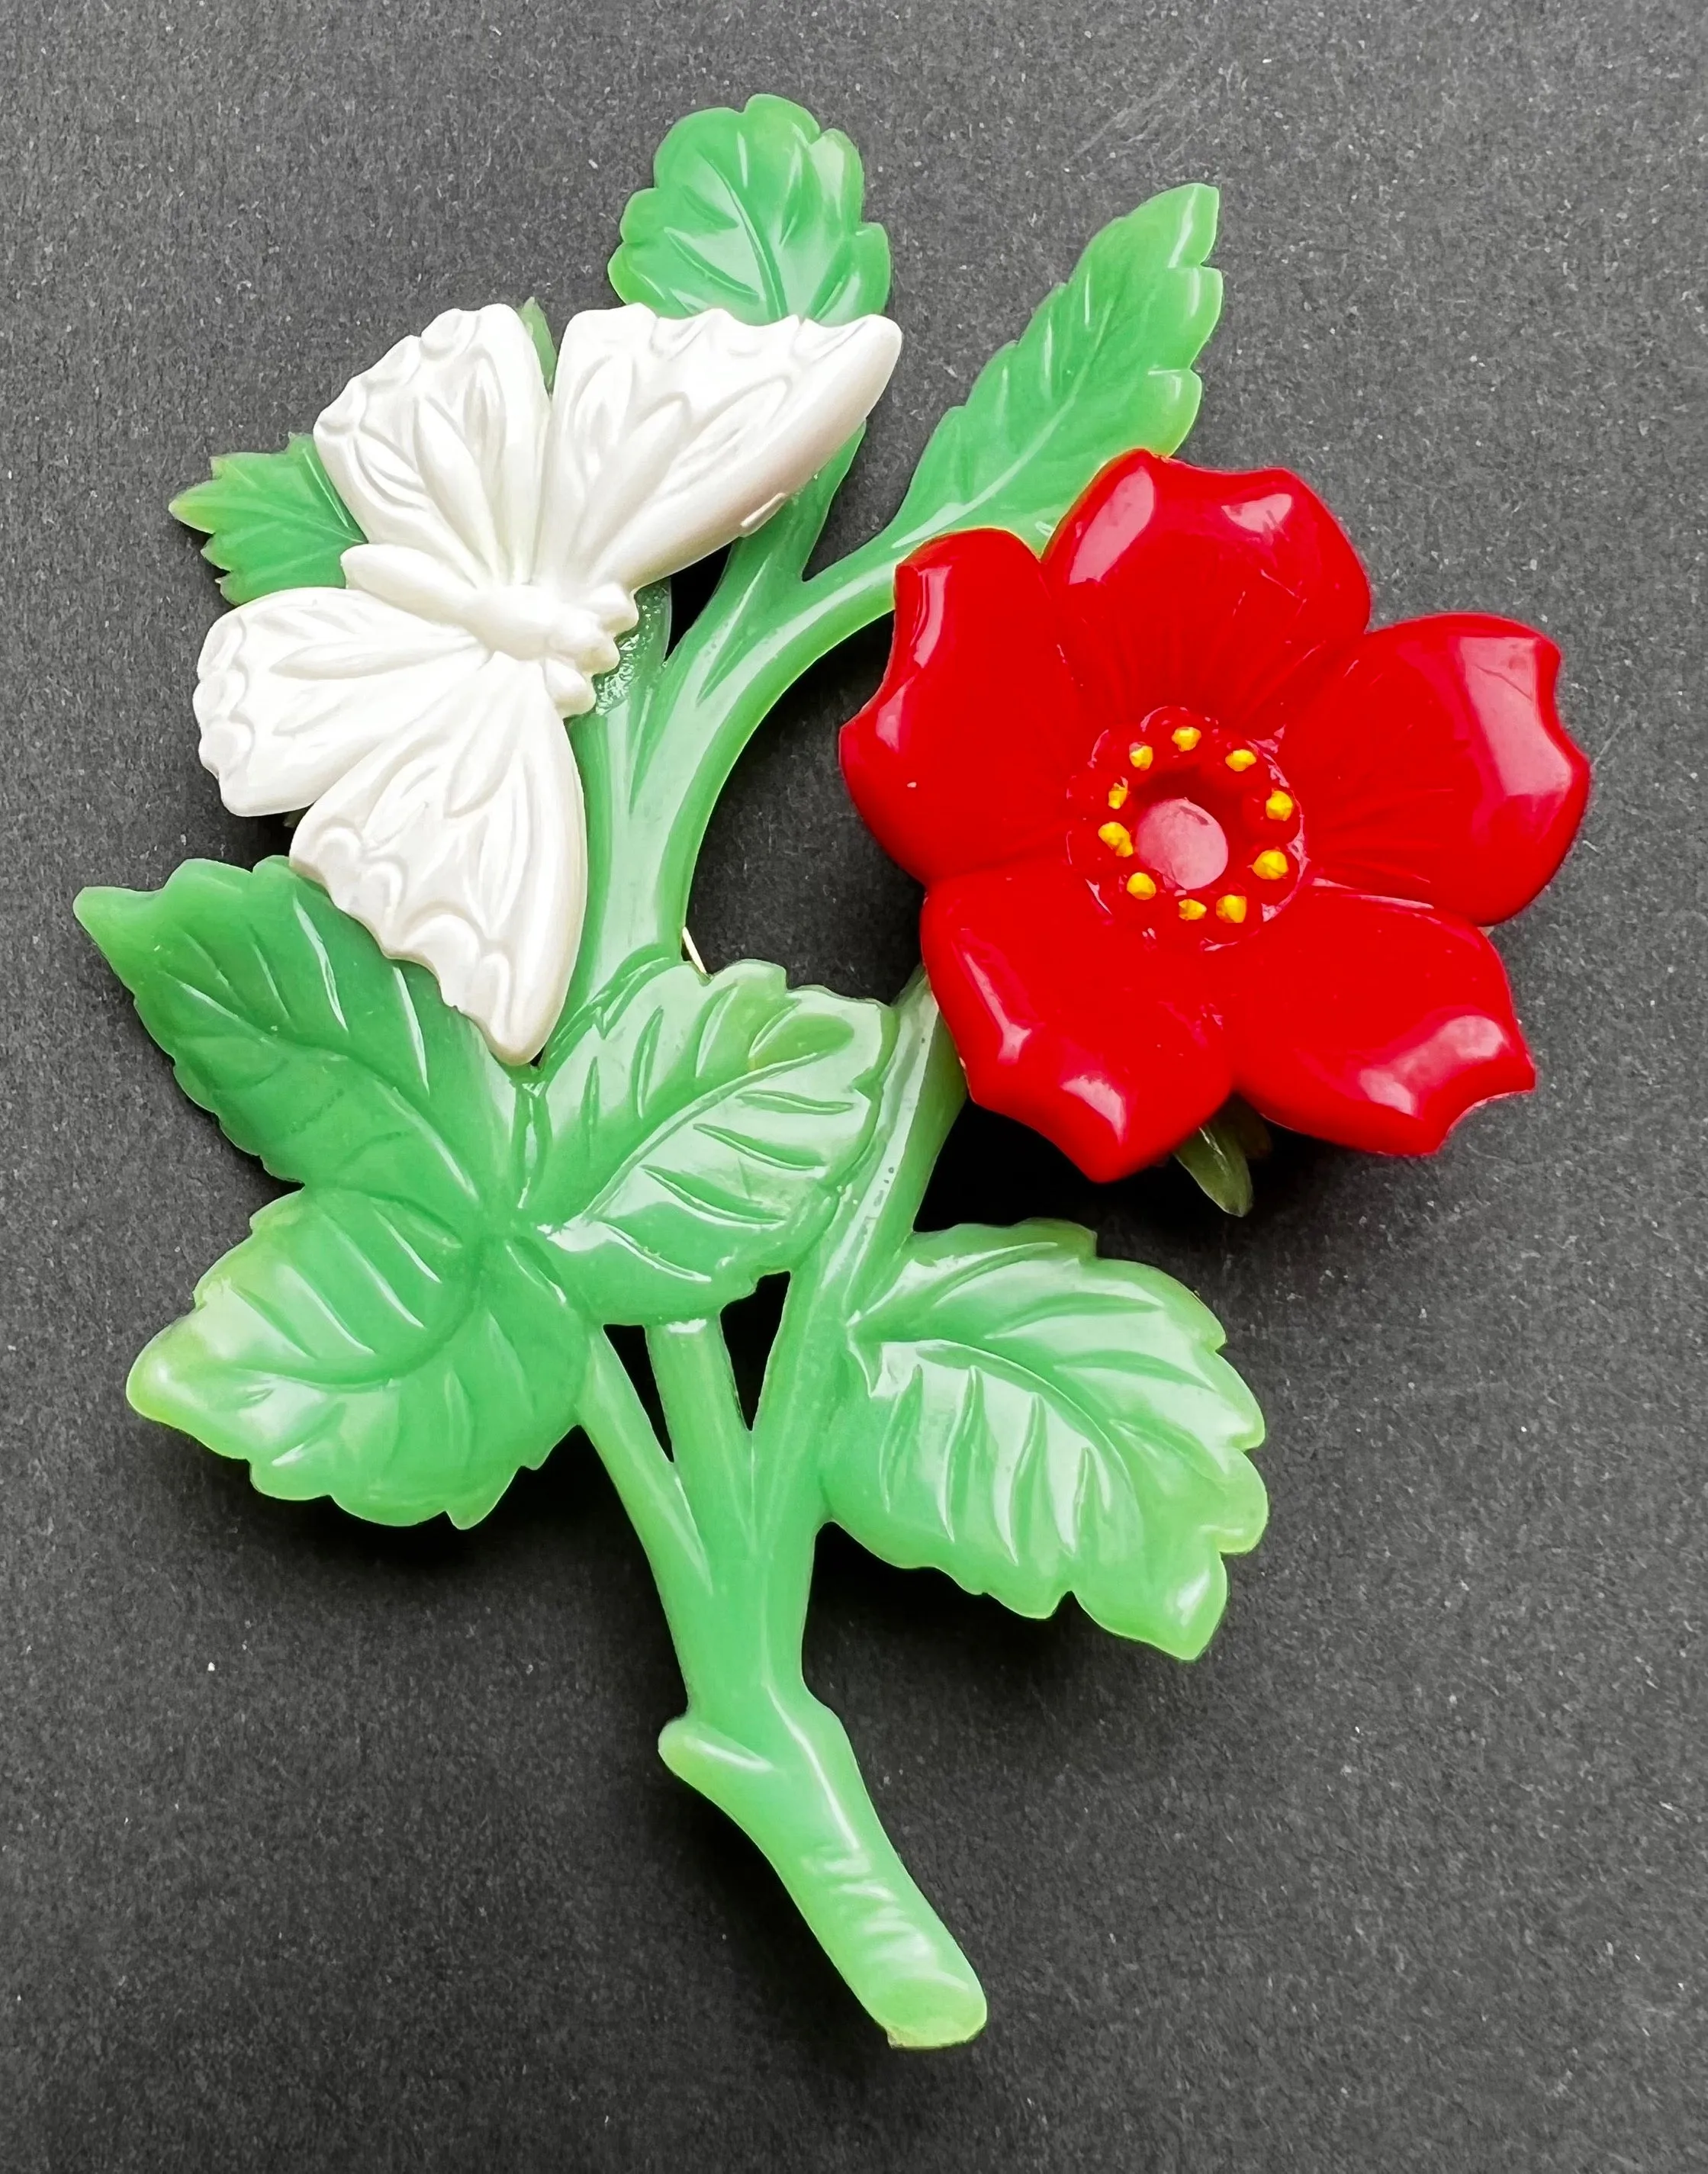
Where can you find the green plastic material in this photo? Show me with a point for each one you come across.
(428, 1312)
(1218, 1156)
(273, 521)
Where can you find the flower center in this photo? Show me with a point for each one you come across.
(1182, 841)
(1184, 830)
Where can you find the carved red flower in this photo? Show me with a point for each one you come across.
(1187, 829)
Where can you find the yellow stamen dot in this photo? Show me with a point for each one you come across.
(1193, 909)
(1270, 865)
(1141, 758)
(1185, 738)
(1140, 885)
(1231, 908)
(1241, 758)
(1117, 794)
(1118, 839)
(1278, 807)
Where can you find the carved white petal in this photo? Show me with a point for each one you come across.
(439, 446)
(296, 687)
(462, 843)
(672, 435)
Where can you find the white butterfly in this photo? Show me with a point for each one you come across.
(416, 714)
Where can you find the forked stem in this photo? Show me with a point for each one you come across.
(730, 1527)
(730, 1523)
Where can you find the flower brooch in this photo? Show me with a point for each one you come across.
(1188, 829)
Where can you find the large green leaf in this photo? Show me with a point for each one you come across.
(696, 1130)
(394, 1335)
(1104, 366)
(1035, 1421)
(757, 213)
(330, 1061)
(354, 1347)
(272, 521)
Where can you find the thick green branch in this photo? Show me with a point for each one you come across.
(730, 1527)
(755, 1740)
(654, 762)
(923, 1090)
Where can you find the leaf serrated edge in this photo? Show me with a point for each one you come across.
(953, 439)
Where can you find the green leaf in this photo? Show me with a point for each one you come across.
(332, 1063)
(540, 333)
(1218, 1156)
(1104, 366)
(757, 213)
(272, 521)
(697, 1130)
(391, 1336)
(354, 1347)
(1035, 1421)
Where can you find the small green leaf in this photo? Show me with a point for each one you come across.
(1218, 1156)
(272, 521)
(332, 1063)
(1215, 1162)
(1242, 1124)
(354, 1347)
(1104, 366)
(1035, 1421)
(393, 1336)
(757, 213)
(696, 1132)
(540, 333)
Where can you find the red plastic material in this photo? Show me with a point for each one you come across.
(1187, 830)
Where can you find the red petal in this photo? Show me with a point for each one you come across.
(1370, 1022)
(1217, 591)
(1434, 765)
(961, 759)
(1103, 1044)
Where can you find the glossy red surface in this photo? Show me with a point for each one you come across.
(1187, 829)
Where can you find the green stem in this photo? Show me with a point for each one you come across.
(923, 1089)
(648, 1485)
(655, 758)
(623, 844)
(755, 1740)
(730, 1527)
(779, 1765)
(713, 1451)
(728, 674)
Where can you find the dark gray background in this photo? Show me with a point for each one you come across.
(327, 1849)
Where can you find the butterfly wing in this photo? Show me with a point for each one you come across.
(672, 435)
(296, 687)
(444, 807)
(438, 447)
(460, 842)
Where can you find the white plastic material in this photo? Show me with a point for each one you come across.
(416, 715)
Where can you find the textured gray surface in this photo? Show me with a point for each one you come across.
(326, 1848)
